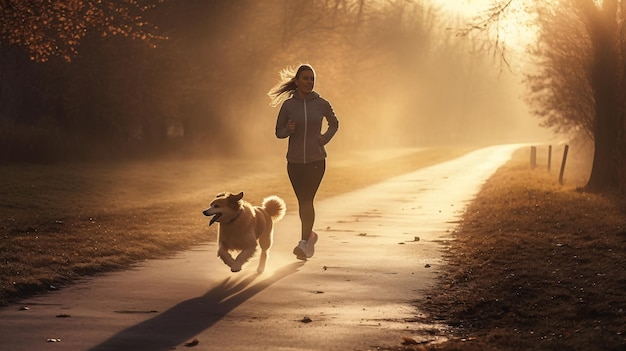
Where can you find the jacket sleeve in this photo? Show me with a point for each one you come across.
(333, 124)
(282, 131)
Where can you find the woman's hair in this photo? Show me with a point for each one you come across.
(285, 89)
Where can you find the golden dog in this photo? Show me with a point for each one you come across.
(243, 227)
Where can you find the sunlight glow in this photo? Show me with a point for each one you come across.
(515, 28)
(463, 7)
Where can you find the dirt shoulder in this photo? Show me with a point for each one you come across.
(535, 265)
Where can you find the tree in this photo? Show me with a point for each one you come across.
(390, 68)
(606, 74)
(560, 92)
(37, 36)
(593, 69)
(48, 28)
(581, 82)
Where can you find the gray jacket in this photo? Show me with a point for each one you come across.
(304, 143)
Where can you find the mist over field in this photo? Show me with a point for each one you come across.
(395, 73)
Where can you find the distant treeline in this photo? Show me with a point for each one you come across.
(393, 72)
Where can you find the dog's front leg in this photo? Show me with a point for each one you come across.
(227, 258)
(242, 258)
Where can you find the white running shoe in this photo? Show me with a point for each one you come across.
(310, 247)
(301, 250)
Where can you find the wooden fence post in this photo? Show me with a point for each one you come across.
(533, 157)
(563, 164)
(549, 157)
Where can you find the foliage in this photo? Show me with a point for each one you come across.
(55, 28)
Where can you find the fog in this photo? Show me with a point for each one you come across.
(395, 73)
(397, 76)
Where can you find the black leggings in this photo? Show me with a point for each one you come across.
(305, 179)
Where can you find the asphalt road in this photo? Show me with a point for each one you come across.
(379, 248)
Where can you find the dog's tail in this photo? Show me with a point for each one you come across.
(275, 207)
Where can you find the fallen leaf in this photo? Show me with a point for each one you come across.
(409, 341)
(63, 316)
(306, 320)
(192, 343)
(53, 340)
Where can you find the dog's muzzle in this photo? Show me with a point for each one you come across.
(216, 216)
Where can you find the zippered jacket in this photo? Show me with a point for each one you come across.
(308, 113)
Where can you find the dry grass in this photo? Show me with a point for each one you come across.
(535, 266)
(60, 223)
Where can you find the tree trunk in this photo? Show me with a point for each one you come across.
(605, 81)
(622, 97)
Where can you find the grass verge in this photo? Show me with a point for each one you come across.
(535, 265)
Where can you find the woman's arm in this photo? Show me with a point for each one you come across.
(282, 123)
(333, 125)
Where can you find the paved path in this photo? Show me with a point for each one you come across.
(357, 292)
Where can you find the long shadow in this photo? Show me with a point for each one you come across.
(187, 319)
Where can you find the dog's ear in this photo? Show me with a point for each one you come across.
(234, 199)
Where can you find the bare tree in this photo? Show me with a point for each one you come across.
(582, 79)
(560, 92)
(607, 75)
(603, 93)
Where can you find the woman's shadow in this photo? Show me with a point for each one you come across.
(187, 319)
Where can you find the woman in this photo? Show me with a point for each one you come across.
(300, 119)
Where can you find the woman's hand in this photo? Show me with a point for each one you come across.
(292, 126)
(322, 140)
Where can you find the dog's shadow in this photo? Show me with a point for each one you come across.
(184, 321)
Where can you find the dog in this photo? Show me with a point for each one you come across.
(243, 227)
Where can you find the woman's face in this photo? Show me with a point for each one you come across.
(305, 81)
